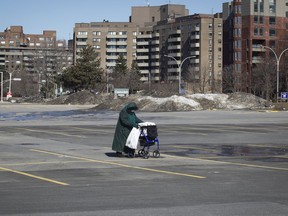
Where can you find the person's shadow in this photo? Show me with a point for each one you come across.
(111, 154)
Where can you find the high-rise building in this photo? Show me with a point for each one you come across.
(159, 39)
(249, 25)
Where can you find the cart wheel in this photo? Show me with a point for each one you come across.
(146, 155)
(141, 153)
(156, 154)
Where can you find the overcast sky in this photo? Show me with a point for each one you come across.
(61, 15)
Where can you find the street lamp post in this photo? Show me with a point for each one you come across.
(1, 86)
(277, 66)
(107, 78)
(10, 77)
(179, 68)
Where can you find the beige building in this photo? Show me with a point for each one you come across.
(156, 32)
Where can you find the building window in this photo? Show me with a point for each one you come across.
(112, 33)
(272, 6)
(255, 19)
(255, 6)
(82, 33)
(98, 40)
(97, 47)
(98, 33)
(272, 32)
(135, 33)
(123, 33)
(261, 6)
(261, 31)
(255, 31)
(272, 20)
(261, 20)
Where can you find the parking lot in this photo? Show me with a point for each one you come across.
(212, 163)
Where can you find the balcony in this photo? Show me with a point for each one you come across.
(121, 50)
(111, 50)
(193, 37)
(155, 71)
(81, 36)
(144, 71)
(175, 54)
(174, 39)
(111, 57)
(155, 64)
(175, 47)
(121, 43)
(143, 64)
(111, 43)
(155, 34)
(196, 53)
(173, 78)
(142, 50)
(155, 42)
(144, 36)
(155, 56)
(142, 43)
(142, 57)
(195, 44)
(172, 62)
(116, 36)
(172, 70)
(81, 43)
(156, 49)
(194, 61)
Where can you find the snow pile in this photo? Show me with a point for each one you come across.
(166, 104)
(201, 102)
(173, 103)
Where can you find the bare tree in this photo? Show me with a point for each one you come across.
(264, 80)
(228, 79)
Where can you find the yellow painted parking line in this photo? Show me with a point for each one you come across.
(34, 176)
(42, 163)
(120, 164)
(225, 162)
(52, 132)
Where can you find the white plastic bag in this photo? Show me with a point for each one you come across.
(132, 140)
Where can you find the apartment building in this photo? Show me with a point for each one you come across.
(152, 33)
(249, 25)
(192, 44)
(32, 57)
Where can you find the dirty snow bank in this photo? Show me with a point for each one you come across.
(201, 102)
(167, 104)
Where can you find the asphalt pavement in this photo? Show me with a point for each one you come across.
(57, 160)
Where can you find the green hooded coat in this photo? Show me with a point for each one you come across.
(126, 121)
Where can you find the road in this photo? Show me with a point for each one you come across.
(57, 160)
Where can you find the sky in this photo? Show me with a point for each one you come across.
(61, 15)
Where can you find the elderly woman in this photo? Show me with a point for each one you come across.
(126, 121)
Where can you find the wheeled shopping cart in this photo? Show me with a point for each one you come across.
(148, 137)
